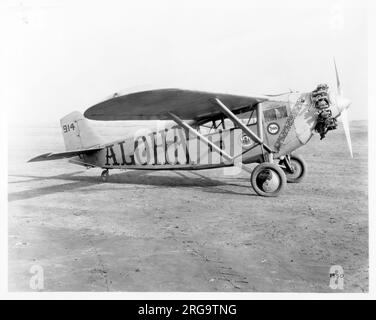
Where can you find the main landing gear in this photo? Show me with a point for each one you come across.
(294, 167)
(268, 179)
(105, 175)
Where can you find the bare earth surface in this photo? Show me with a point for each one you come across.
(186, 231)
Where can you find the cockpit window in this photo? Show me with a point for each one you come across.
(213, 126)
(275, 114)
(248, 118)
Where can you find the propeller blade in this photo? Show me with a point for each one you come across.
(339, 88)
(346, 128)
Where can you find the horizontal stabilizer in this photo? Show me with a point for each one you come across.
(63, 155)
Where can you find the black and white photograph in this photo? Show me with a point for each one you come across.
(186, 147)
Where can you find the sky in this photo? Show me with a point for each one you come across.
(62, 56)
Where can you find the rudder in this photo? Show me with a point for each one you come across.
(77, 132)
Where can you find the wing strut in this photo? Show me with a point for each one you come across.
(200, 136)
(241, 125)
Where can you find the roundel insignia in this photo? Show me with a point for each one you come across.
(246, 141)
(273, 128)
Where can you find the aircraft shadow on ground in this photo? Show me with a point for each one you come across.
(139, 177)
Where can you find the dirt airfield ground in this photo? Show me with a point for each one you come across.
(186, 231)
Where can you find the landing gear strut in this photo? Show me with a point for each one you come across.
(105, 175)
(294, 167)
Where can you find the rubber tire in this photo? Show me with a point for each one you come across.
(277, 169)
(300, 161)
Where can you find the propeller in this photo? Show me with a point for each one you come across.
(342, 106)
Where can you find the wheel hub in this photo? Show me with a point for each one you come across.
(268, 181)
(296, 170)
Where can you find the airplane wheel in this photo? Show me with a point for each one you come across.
(268, 179)
(105, 175)
(300, 169)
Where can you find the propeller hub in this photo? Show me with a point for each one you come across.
(342, 103)
(338, 104)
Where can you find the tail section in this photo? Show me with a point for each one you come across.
(77, 132)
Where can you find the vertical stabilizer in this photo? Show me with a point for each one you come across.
(77, 132)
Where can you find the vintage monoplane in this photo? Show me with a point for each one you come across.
(210, 130)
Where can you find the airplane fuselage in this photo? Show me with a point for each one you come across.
(287, 124)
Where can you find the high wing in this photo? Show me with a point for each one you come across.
(63, 155)
(156, 105)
